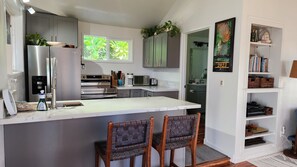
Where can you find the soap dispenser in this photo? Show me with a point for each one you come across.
(41, 106)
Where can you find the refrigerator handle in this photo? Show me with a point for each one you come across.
(48, 76)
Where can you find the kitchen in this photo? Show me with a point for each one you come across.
(225, 105)
(144, 83)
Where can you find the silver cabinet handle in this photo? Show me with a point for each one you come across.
(192, 91)
(48, 76)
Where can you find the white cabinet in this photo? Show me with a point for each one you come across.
(265, 96)
(53, 28)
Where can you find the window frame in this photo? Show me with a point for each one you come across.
(108, 38)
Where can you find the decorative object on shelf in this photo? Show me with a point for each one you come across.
(200, 44)
(293, 73)
(35, 39)
(264, 36)
(9, 102)
(258, 140)
(266, 82)
(253, 82)
(224, 45)
(255, 109)
(168, 26)
(268, 110)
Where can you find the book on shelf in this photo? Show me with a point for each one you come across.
(258, 64)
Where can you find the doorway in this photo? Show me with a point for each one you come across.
(196, 77)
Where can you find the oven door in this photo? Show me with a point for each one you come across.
(98, 93)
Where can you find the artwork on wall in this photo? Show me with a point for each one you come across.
(223, 45)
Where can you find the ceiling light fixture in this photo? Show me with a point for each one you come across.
(26, 1)
(31, 10)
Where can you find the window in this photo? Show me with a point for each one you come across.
(104, 49)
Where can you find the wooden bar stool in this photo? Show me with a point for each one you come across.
(178, 132)
(126, 140)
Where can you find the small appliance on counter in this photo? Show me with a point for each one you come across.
(129, 79)
(141, 80)
(153, 82)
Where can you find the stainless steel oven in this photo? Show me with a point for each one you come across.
(97, 87)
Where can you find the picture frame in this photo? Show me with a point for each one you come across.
(224, 45)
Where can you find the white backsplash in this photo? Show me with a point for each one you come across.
(16, 84)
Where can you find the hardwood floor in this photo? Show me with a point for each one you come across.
(242, 164)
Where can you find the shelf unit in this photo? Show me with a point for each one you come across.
(264, 96)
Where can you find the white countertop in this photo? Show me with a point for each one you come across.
(149, 88)
(103, 107)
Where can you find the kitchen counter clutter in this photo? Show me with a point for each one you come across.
(103, 107)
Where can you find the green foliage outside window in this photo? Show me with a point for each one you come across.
(95, 48)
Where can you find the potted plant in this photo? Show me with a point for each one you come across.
(167, 27)
(35, 39)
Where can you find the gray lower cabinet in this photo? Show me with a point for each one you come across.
(161, 51)
(172, 94)
(52, 27)
(197, 94)
(126, 93)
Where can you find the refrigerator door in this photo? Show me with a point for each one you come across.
(68, 64)
(37, 75)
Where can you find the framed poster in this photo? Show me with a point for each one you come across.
(223, 46)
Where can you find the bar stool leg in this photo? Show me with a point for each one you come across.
(171, 157)
(97, 160)
(132, 160)
(193, 154)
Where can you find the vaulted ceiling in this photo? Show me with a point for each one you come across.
(125, 13)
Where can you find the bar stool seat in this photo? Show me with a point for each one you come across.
(126, 140)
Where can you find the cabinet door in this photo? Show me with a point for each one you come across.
(163, 58)
(123, 93)
(66, 30)
(41, 24)
(135, 93)
(157, 50)
(148, 52)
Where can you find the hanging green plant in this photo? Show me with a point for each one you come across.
(167, 27)
(35, 39)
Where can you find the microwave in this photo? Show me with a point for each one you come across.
(141, 80)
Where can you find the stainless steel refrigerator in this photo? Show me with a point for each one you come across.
(40, 61)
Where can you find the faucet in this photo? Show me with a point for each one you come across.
(53, 94)
(54, 84)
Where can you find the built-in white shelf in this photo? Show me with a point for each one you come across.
(260, 135)
(262, 90)
(260, 44)
(259, 73)
(260, 117)
(259, 145)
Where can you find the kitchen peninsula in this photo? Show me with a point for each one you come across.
(66, 136)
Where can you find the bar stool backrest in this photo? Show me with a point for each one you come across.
(181, 128)
(130, 135)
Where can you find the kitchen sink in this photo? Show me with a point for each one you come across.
(61, 105)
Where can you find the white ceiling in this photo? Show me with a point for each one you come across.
(124, 13)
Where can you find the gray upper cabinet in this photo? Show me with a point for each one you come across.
(166, 51)
(148, 52)
(53, 28)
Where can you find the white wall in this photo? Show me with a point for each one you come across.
(221, 100)
(167, 77)
(3, 61)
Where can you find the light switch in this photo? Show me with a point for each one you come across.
(222, 82)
